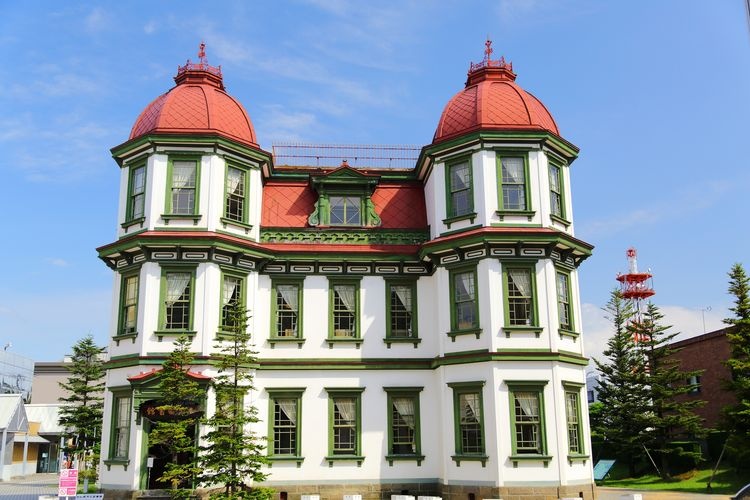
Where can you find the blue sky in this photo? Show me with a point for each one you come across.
(654, 93)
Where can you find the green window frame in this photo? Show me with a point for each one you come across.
(459, 191)
(344, 425)
(513, 190)
(520, 298)
(176, 314)
(183, 188)
(564, 292)
(401, 312)
(527, 418)
(464, 302)
(468, 422)
(119, 442)
(557, 193)
(236, 189)
(286, 311)
(404, 438)
(345, 210)
(285, 424)
(128, 318)
(136, 203)
(344, 311)
(233, 291)
(574, 421)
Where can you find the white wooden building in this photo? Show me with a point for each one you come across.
(418, 328)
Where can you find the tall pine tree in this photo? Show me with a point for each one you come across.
(623, 389)
(668, 415)
(82, 414)
(234, 454)
(181, 396)
(737, 416)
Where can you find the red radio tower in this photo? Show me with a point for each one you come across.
(636, 286)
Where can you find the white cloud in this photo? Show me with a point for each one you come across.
(597, 328)
(97, 20)
(58, 262)
(280, 125)
(150, 27)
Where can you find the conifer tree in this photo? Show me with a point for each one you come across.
(737, 416)
(82, 414)
(623, 388)
(234, 454)
(180, 399)
(668, 415)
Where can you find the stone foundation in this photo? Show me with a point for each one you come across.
(383, 491)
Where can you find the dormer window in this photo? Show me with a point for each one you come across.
(346, 211)
(344, 198)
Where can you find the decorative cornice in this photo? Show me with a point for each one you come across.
(346, 236)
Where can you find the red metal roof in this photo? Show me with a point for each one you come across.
(288, 204)
(154, 371)
(492, 101)
(198, 104)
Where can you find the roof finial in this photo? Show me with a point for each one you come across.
(202, 52)
(488, 49)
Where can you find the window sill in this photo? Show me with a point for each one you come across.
(274, 458)
(502, 214)
(509, 330)
(470, 458)
(472, 331)
(530, 458)
(345, 458)
(117, 461)
(173, 333)
(456, 218)
(286, 340)
(230, 222)
(170, 217)
(559, 220)
(130, 223)
(393, 458)
(577, 458)
(124, 336)
(344, 340)
(402, 340)
(564, 332)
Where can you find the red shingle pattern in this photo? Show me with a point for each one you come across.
(289, 204)
(494, 102)
(196, 109)
(400, 207)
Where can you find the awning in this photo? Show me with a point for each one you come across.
(21, 438)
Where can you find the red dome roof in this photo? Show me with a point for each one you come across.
(492, 101)
(198, 104)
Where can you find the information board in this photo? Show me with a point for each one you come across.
(67, 483)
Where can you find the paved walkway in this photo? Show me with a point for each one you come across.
(617, 494)
(29, 487)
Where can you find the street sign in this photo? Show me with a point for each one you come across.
(67, 483)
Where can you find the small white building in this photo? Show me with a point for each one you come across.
(417, 328)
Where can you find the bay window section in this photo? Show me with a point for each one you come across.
(182, 190)
(232, 296)
(514, 197)
(468, 422)
(401, 312)
(176, 313)
(556, 194)
(345, 425)
(564, 305)
(520, 299)
(128, 321)
(464, 302)
(120, 431)
(403, 424)
(529, 441)
(136, 202)
(344, 312)
(286, 312)
(285, 424)
(459, 192)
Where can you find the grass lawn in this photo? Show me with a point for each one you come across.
(725, 482)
